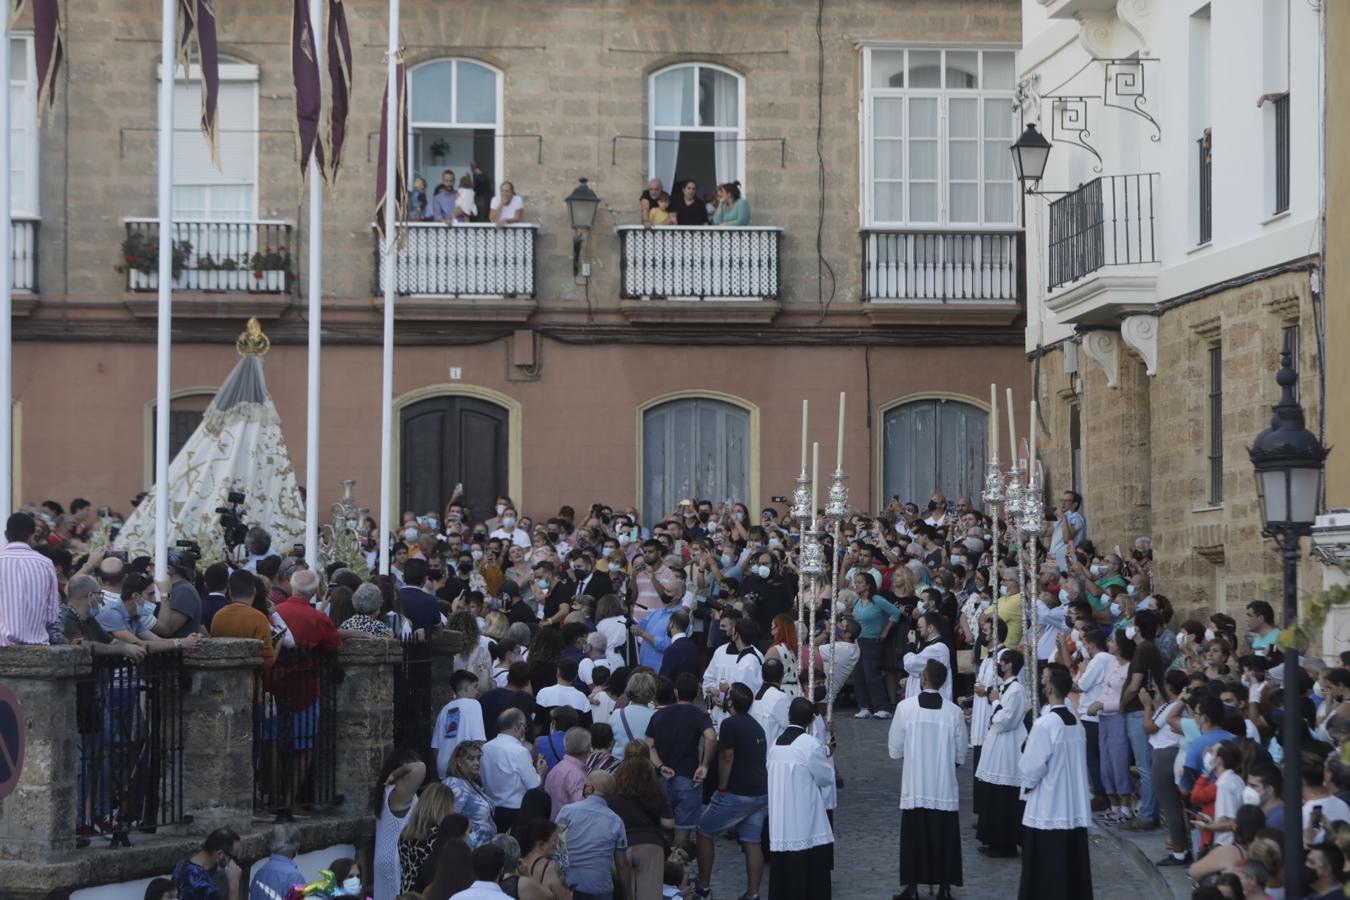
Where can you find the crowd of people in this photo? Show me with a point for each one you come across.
(465, 201)
(725, 208)
(628, 696)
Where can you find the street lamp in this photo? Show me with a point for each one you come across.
(581, 206)
(1288, 461)
(1030, 154)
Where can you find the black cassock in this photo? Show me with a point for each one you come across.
(930, 839)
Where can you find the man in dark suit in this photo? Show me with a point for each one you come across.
(682, 654)
(418, 604)
(583, 581)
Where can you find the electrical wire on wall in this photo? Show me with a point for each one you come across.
(822, 264)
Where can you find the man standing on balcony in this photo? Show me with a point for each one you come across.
(443, 203)
(647, 200)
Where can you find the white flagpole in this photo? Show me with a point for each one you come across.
(393, 123)
(168, 57)
(7, 497)
(315, 285)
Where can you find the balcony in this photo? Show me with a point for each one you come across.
(23, 258)
(678, 273)
(213, 257)
(1103, 261)
(475, 262)
(972, 276)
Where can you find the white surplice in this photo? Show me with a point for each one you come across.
(799, 772)
(980, 707)
(749, 669)
(721, 665)
(1054, 764)
(1003, 744)
(770, 710)
(932, 742)
(914, 663)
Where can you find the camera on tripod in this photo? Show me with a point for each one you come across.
(232, 519)
(192, 548)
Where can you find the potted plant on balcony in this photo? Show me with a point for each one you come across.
(271, 271)
(440, 149)
(140, 259)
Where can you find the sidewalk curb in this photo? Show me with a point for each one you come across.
(1155, 877)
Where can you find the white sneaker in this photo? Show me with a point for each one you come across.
(882, 715)
(863, 714)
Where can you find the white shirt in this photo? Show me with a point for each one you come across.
(615, 630)
(602, 707)
(932, 742)
(914, 663)
(798, 773)
(980, 707)
(1227, 799)
(1333, 810)
(770, 710)
(748, 669)
(507, 771)
(720, 668)
(1164, 737)
(563, 695)
(515, 536)
(1093, 682)
(464, 201)
(1049, 626)
(1054, 764)
(512, 209)
(480, 890)
(845, 661)
(387, 829)
(459, 720)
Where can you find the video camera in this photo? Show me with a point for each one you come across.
(192, 548)
(232, 519)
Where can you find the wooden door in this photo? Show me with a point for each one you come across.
(453, 440)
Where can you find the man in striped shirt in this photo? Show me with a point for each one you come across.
(29, 600)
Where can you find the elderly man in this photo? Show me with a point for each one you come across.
(78, 625)
(276, 876)
(597, 844)
(29, 600)
(507, 771)
(566, 782)
(647, 202)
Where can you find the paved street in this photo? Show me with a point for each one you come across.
(867, 822)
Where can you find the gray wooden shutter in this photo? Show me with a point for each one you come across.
(694, 449)
(933, 445)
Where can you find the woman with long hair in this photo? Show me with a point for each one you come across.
(475, 656)
(612, 623)
(538, 843)
(393, 798)
(1113, 744)
(463, 776)
(785, 648)
(418, 837)
(648, 819)
(732, 209)
(546, 649)
(448, 869)
(877, 618)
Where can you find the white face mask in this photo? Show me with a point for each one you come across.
(1209, 634)
(958, 560)
(1115, 609)
(1063, 595)
(477, 555)
(615, 567)
(1317, 688)
(623, 540)
(1130, 632)
(1077, 637)
(352, 886)
(501, 508)
(1003, 591)
(1097, 570)
(1251, 796)
(607, 552)
(762, 571)
(1147, 603)
(542, 584)
(410, 534)
(1209, 761)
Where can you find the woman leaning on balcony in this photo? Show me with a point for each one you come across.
(507, 208)
(732, 210)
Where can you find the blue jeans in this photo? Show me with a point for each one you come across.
(728, 811)
(1143, 761)
(686, 800)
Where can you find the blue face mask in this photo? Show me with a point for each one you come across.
(1115, 609)
(726, 559)
(1130, 590)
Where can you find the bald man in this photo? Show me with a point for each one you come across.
(596, 843)
(79, 626)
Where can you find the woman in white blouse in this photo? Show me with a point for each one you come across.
(507, 208)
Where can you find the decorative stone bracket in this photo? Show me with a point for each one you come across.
(1103, 348)
(1141, 333)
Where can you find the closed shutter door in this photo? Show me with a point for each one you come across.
(934, 445)
(694, 449)
(201, 191)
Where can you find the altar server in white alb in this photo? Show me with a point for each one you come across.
(930, 648)
(986, 679)
(800, 836)
(998, 776)
(929, 734)
(1055, 863)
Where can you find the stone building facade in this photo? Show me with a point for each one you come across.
(571, 373)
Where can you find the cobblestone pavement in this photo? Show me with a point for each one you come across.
(867, 854)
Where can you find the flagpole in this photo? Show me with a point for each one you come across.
(394, 122)
(168, 58)
(315, 287)
(6, 290)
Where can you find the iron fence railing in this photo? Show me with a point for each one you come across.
(1107, 222)
(24, 254)
(414, 713)
(463, 260)
(231, 257)
(130, 746)
(295, 734)
(943, 266)
(699, 263)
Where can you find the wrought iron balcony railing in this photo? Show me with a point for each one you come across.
(678, 262)
(1106, 222)
(463, 260)
(230, 257)
(943, 266)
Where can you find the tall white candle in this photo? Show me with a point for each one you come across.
(1012, 431)
(993, 422)
(1031, 425)
(804, 402)
(815, 481)
(839, 455)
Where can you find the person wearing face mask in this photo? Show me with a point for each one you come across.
(1070, 528)
(1009, 607)
(931, 626)
(999, 776)
(1323, 872)
(993, 634)
(194, 875)
(653, 585)
(347, 872)
(844, 653)
(1113, 743)
(509, 530)
(1147, 672)
(775, 596)
(1091, 683)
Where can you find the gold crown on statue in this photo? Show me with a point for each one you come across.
(252, 342)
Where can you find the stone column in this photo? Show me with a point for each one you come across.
(218, 733)
(365, 710)
(37, 821)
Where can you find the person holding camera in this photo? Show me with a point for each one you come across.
(181, 614)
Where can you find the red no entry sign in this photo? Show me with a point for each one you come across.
(11, 741)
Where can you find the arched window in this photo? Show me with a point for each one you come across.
(934, 445)
(454, 118)
(697, 117)
(202, 192)
(694, 448)
(186, 408)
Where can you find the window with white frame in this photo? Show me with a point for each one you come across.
(201, 191)
(23, 133)
(937, 127)
(454, 119)
(697, 126)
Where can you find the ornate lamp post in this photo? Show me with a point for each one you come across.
(1288, 460)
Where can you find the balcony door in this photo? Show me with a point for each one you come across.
(451, 440)
(695, 448)
(455, 117)
(934, 445)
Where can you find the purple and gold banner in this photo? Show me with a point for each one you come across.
(308, 88)
(48, 47)
(198, 28)
(339, 84)
(400, 152)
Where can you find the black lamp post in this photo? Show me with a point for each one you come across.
(581, 206)
(1288, 460)
(1030, 154)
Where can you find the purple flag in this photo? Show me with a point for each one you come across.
(400, 151)
(198, 29)
(48, 47)
(339, 84)
(308, 88)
